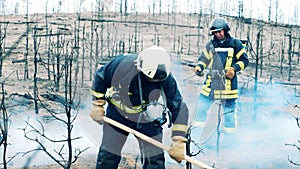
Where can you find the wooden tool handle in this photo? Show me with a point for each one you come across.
(152, 141)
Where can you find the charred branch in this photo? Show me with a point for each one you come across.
(55, 97)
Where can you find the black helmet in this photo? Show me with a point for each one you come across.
(218, 24)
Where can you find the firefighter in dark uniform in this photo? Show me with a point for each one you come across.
(223, 55)
(132, 85)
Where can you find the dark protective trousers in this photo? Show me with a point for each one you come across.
(113, 140)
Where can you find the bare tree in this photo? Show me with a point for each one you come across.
(3, 7)
(269, 53)
(66, 154)
(298, 60)
(241, 9)
(200, 15)
(126, 7)
(36, 45)
(159, 6)
(121, 8)
(296, 14)
(58, 50)
(91, 49)
(270, 11)
(83, 55)
(27, 45)
(97, 48)
(282, 55)
(48, 38)
(276, 11)
(56, 64)
(260, 47)
(59, 5)
(136, 34)
(16, 10)
(3, 28)
(297, 144)
(290, 54)
(4, 126)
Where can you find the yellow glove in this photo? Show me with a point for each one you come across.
(98, 111)
(230, 73)
(177, 150)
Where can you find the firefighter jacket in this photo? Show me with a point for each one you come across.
(118, 82)
(218, 57)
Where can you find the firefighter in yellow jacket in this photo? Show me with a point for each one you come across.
(223, 56)
(132, 85)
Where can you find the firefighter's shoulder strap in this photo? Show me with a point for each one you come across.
(140, 91)
(169, 114)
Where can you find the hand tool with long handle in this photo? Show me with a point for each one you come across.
(212, 121)
(152, 141)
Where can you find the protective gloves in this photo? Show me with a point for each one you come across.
(177, 150)
(98, 112)
(198, 71)
(230, 73)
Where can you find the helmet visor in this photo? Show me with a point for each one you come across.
(161, 74)
(212, 31)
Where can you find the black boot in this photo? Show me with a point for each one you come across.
(107, 160)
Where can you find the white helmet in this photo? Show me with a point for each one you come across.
(155, 63)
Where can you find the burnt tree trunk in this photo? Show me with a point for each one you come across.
(101, 42)
(36, 45)
(91, 50)
(126, 7)
(47, 42)
(68, 101)
(4, 127)
(257, 59)
(121, 8)
(271, 44)
(198, 30)
(290, 55)
(174, 30)
(2, 45)
(282, 55)
(298, 59)
(136, 34)
(75, 51)
(189, 42)
(27, 50)
(83, 55)
(57, 67)
(97, 49)
(261, 49)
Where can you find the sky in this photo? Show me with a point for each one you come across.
(259, 7)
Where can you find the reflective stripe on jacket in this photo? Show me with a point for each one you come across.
(231, 53)
(121, 75)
